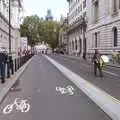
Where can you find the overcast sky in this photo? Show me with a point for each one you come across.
(40, 7)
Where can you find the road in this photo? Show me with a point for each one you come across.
(38, 85)
(110, 83)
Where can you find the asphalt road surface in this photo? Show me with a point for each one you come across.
(110, 83)
(38, 86)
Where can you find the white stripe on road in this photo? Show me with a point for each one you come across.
(85, 65)
(111, 73)
(108, 72)
(107, 103)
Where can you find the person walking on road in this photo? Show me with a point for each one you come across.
(98, 63)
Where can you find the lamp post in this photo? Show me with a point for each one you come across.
(84, 39)
(9, 27)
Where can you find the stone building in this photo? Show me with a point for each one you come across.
(77, 24)
(103, 26)
(16, 6)
(49, 16)
(63, 37)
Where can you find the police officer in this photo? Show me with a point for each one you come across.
(98, 63)
(3, 61)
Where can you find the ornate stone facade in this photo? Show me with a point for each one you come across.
(4, 24)
(103, 26)
(77, 25)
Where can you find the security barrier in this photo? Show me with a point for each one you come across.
(12, 65)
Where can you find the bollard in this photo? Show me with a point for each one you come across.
(18, 62)
(15, 65)
(3, 66)
(8, 69)
(11, 64)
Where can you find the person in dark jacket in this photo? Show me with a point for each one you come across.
(98, 63)
(3, 61)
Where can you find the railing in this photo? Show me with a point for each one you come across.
(13, 65)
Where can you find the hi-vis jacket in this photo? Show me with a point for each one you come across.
(98, 60)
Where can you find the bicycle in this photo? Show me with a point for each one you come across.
(69, 89)
(21, 105)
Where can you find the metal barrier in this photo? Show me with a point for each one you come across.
(12, 65)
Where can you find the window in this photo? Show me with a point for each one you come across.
(96, 12)
(80, 45)
(84, 14)
(80, 8)
(115, 36)
(75, 44)
(95, 39)
(72, 45)
(84, 3)
(119, 4)
(114, 6)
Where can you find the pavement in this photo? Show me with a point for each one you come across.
(4, 88)
(40, 100)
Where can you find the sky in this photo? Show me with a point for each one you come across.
(39, 7)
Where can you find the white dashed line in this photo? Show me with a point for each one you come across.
(85, 65)
(111, 73)
(38, 90)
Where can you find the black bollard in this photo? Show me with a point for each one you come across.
(8, 68)
(15, 65)
(11, 64)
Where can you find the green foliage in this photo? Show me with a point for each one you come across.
(29, 28)
(38, 31)
(49, 32)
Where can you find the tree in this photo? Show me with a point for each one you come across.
(29, 28)
(49, 32)
(38, 31)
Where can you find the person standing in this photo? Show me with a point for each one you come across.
(98, 63)
(3, 61)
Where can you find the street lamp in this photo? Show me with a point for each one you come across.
(9, 27)
(84, 39)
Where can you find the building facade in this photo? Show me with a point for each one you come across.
(16, 5)
(77, 24)
(49, 16)
(63, 37)
(103, 26)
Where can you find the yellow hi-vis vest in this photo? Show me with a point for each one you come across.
(101, 62)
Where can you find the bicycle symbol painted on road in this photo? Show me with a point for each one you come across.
(20, 105)
(67, 90)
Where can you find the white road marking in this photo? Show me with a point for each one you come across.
(38, 90)
(108, 72)
(67, 90)
(106, 102)
(111, 73)
(19, 104)
(85, 65)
